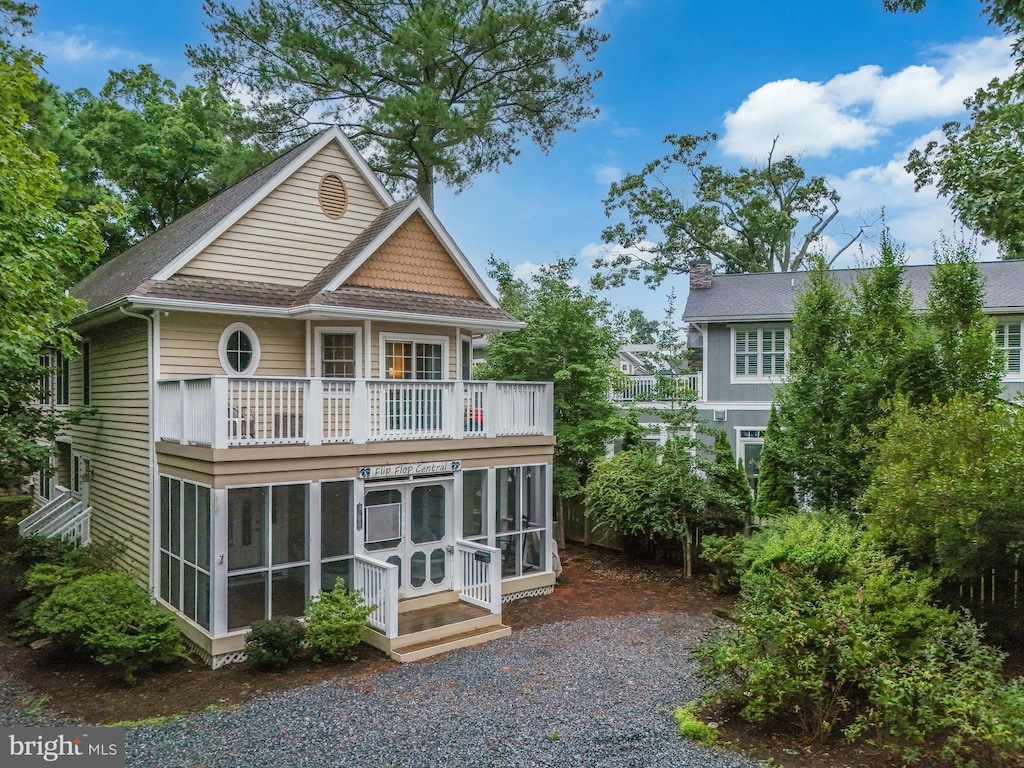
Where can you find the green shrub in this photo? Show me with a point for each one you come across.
(45, 564)
(334, 624)
(113, 620)
(725, 555)
(692, 727)
(273, 643)
(833, 633)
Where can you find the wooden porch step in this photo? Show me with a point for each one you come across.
(437, 624)
(450, 643)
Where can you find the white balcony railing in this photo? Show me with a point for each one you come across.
(65, 516)
(221, 411)
(377, 582)
(651, 388)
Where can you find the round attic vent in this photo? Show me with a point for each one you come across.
(333, 196)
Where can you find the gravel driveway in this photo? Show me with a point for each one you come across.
(594, 692)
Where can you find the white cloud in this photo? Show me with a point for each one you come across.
(852, 110)
(76, 48)
(526, 270)
(916, 219)
(605, 175)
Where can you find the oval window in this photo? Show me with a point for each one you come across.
(239, 349)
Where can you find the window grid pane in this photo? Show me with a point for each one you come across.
(339, 355)
(398, 359)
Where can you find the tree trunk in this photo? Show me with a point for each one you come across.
(425, 183)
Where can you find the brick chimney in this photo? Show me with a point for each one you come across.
(700, 274)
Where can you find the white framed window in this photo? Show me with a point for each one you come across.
(1008, 339)
(339, 353)
(414, 357)
(466, 358)
(54, 378)
(759, 354)
(239, 350)
(749, 442)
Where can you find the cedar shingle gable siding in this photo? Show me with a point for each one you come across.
(412, 259)
(286, 238)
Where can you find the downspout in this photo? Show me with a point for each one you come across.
(154, 479)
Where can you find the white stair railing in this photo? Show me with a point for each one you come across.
(377, 582)
(64, 517)
(478, 574)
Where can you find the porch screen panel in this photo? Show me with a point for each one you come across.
(474, 504)
(336, 499)
(185, 518)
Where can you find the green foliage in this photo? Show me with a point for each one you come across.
(730, 497)
(978, 166)
(833, 633)
(273, 643)
(725, 555)
(776, 493)
(691, 727)
(745, 219)
(166, 151)
(951, 686)
(816, 430)
(112, 619)
(42, 564)
(568, 340)
(945, 490)
(966, 357)
(429, 91)
(40, 245)
(633, 327)
(335, 622)
(852, 354)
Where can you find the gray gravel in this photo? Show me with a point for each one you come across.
(594, 692)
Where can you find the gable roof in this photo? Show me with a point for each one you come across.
(769, 296)
(168, 249)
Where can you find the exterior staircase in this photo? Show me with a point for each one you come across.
(64, 516)
(435, 624)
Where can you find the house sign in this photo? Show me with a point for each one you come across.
(408, 470)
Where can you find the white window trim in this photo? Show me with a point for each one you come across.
(222, 350)
(461, 362)
(1008, 376)
(759, 378)
(318, 352)
(400, 338)
(743, 442)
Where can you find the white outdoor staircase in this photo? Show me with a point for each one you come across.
(64, 516)
(435, 624)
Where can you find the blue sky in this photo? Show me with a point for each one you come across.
(844, 85)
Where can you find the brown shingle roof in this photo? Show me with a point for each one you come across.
(353, 249)
(219, 291)
(411, 302)
(123, 275)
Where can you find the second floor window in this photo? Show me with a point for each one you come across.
(414, 360)
(759, 353)
(1007, 336)
(339, 356)
(55, 378)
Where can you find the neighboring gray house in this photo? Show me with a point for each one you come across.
(745, 320)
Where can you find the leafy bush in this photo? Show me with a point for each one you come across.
(111, 618)
(45, 564)
(832, 633)
(725, 555)
(334, 624)
(273, 643)
(692, 727)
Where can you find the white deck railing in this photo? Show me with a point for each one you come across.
(478, 574)
(221, 411)
(64, 516)
(377, 582)
(658, 388)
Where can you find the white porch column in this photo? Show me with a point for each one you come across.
(219, 566)
(221, 415)
(314, 417)
(360, 418)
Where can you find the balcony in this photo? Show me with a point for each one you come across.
(222, 411)
(654, 389)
